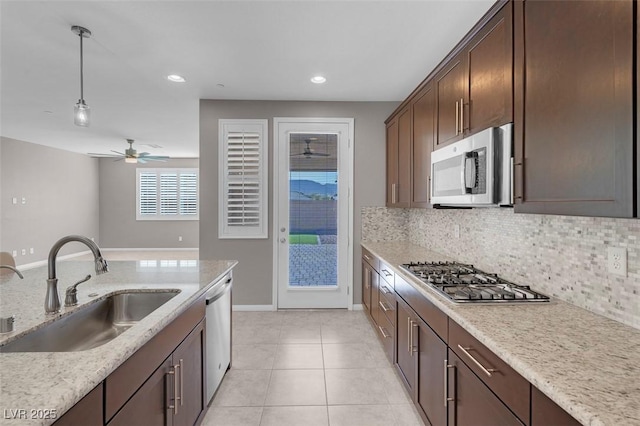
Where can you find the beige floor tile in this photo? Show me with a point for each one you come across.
(355, 386)
(353, 355)
(348, 333)
(395, 390)
(343, 317)
(255, 334)
(299, 356)
(300, 334)
(361, 415)
(406, 415)
(233, 416)
(253, 357)
(295, 416)
(271, 318)
(296, 387)
(243, 388)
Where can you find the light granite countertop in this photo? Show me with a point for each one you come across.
(39, 381)
(588, 364)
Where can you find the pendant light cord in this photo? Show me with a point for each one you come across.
(81, 70)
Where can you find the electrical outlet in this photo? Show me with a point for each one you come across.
(31, 250)
(180, 238)
(24, 200)
(24, 252)
(14, 200)
(14, 253)
(617, 260)
(456, 231)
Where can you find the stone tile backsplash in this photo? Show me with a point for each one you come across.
(562, 256)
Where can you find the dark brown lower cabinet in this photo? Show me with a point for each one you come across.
(432, 359)
(174, 394)
(406, 354)
(189, 357)
(367, 277)
(148, 406)
(545, 412)
(470, 402)
(87, 412)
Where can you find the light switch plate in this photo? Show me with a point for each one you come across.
(617, 261)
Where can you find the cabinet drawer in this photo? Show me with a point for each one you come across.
(505, 382)
(387, 302)
(386, 334)
(386, 273)
(433, 316)
(371, 259)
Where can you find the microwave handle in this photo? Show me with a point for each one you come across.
(468, 183)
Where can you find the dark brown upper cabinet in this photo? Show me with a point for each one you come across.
(574, 120)
(399, 160)
(474, 89)
(450, 96)
(423, 121)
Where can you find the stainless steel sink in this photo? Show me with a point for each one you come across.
(93, 325)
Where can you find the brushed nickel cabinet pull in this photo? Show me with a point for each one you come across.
(384, 289)
(384, 333)
(412, 324)
(383, 306)
(168, 396)
(366, 257)
(393, 193)
(447, 366)
(461, 115)
(386, 273)
(408, 334)
(457, 116)
(485, 370)
(181, 382)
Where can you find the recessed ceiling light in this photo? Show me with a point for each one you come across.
(318, 79)
(176, 78)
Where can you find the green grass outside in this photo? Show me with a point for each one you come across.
(303, 239)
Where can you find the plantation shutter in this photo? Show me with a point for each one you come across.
(243, 179)
(167, 194)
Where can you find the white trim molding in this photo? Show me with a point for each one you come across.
(253, 308)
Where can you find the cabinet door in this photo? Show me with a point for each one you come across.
(150, 405)
(490, 67)
(574, 107)
(189, 357)
(450, 94)
(392, 162)
(367, 272)
(406, 356)
(472, 403)
(423, 110)
(404, 159)
(546, 412)
(87, 412)
(432, 358)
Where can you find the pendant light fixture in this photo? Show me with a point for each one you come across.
(81, 111)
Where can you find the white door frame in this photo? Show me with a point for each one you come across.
(277, 122)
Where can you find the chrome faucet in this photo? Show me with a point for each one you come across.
(13, 269)
(52, 301)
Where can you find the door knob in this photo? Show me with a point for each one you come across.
(283, 240)
(283, 229)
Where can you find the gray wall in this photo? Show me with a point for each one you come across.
(118, 225)
(61, 191)
(253, 275)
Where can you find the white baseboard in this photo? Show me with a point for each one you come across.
(149, 249)
(358, 307)
(46, 261)
(253, 308)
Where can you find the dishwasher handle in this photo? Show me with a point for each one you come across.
(220, 292)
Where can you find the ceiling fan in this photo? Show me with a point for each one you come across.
(130, 155)
(308, 152)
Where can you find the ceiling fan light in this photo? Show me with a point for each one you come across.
(81, 114)
(131, 160)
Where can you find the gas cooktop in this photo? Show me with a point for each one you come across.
(463, 283)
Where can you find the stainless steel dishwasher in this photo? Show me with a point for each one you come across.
(218, 323)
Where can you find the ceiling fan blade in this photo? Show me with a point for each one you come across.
(319, 154)
(143, 154)
(96, 154)
(119, 159)
(142, 160)
(297, 155)
(119, 153)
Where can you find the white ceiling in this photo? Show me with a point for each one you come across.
(368, 51)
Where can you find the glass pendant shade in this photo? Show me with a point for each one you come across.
(132, 160)
(81, 114)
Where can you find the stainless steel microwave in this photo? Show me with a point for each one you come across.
(474, 172)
